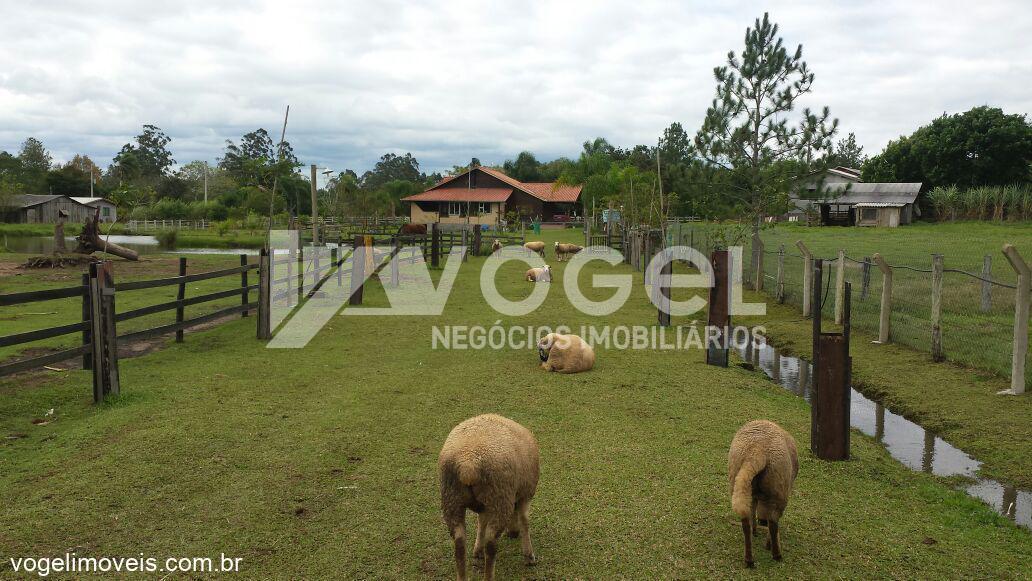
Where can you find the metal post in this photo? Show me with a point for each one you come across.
(936, 319)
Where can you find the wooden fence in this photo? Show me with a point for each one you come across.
(98, 324)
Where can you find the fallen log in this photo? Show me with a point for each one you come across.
(90, 241)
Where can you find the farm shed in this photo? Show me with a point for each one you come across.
(484, 195)
(108, 210)
(43, 209)
(839, 198)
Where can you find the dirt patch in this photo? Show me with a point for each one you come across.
(9, 269)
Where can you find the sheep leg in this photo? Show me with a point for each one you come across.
(523, 514)
(478, 545)
(775, 540)
(513, 529)
(746, 524)
(459, 535)
(755, 526)
(490, 550)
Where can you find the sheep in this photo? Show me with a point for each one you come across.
(537, 247)
(761, 467)
(496, 246)
(565, 353)
(565, 250)
(489, 464)
(542, 274)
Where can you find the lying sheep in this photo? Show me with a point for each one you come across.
(565, 353)
(537, 246)
(761, 467)
(496, 246)
(489, 464)
(565, 250)
(542, 274)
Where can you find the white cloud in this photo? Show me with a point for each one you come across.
(453, 80)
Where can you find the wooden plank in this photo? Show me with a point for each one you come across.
(161, 307)
(107, 309)
(40, 361)
(145, 284)
(97, 332)
(166, 329)
(244, 287)
(40, 295)
(39, 334)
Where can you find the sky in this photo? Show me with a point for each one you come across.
(448, 81)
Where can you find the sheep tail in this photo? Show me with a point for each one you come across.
(468, 470)
(741, 492)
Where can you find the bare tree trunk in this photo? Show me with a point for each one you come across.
(90, 241)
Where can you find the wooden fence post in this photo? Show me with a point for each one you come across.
(357, 271)
(264, 295)
(395, 263)
(478, 239)
(1022, 296)
(779, 290)
(886, 299)
(807, 276)
(987, 287)
(840, 286)
(300, 272)
(465, 235)
(334, 253)
(97, 334)
(291, 258)
(865, 278)
(244, 293)
(663, 283)
(435, 246)
(180, 296)
(937, 268)
(87, 335)
(757, 248)
(107, 307)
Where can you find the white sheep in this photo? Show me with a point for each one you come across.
(489, 464)
(565, 353)
(541, 274)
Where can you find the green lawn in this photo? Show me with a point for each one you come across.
(321, 462)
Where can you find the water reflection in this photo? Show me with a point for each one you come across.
(141, 244)
(908, 442)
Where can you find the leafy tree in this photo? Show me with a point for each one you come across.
(35, 163)
(126, 166)
(746, 130)
(982, 146)
(173, 187)
(220, 182)
(392, 167)
(152, 152)
(257, 160)
(846, 152)
(68, 181)
(524, 168)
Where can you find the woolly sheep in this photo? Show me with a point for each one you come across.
(542, 274)
(565, 250)
(489, 464)
(565, 353)
(496, 246)
(536, 246)
(761, 467)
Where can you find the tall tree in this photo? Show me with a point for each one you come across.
(35, 163)
(392, 167)
(846, 152)
(524, 168)
(152, 152)
(746, 130)
(982, 146)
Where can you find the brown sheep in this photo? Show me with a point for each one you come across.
(565, 250)
(489, 464)
(565, 353)
(496, 246)
(537, 247)
(542, 274)
(761, 467)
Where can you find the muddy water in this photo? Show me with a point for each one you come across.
(908, 442)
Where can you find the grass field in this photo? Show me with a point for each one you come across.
(321, 462)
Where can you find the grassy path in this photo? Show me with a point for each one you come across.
(322, 462)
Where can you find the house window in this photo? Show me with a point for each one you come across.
(455, 208)
(483, 208)
(868, 214)
(105, 211)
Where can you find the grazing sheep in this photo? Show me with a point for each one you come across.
(489, 464)
(565, 250)
(542, 274)
(496, 246)
(537, 246)
(761, 467)
(565, 353)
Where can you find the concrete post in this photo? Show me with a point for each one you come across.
(1022, 296)
(886, 299)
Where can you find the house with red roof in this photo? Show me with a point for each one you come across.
(485, 195)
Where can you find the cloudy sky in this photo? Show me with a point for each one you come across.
(452, 80)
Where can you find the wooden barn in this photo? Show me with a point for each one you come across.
(43, 209)
(484, 195)
(108, 210)
(845, 200)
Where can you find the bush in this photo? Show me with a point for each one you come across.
(222, 227)
(169, 209)
(167, 238)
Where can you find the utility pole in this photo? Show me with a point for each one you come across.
(315, 207)
(205, 182)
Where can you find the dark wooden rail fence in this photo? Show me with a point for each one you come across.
(97, 327)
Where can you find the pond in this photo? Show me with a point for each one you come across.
(141, 244)
(908, 442)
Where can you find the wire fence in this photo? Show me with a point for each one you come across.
(976, 309)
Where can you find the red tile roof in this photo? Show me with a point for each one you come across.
(544, 191)
(461, 195)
